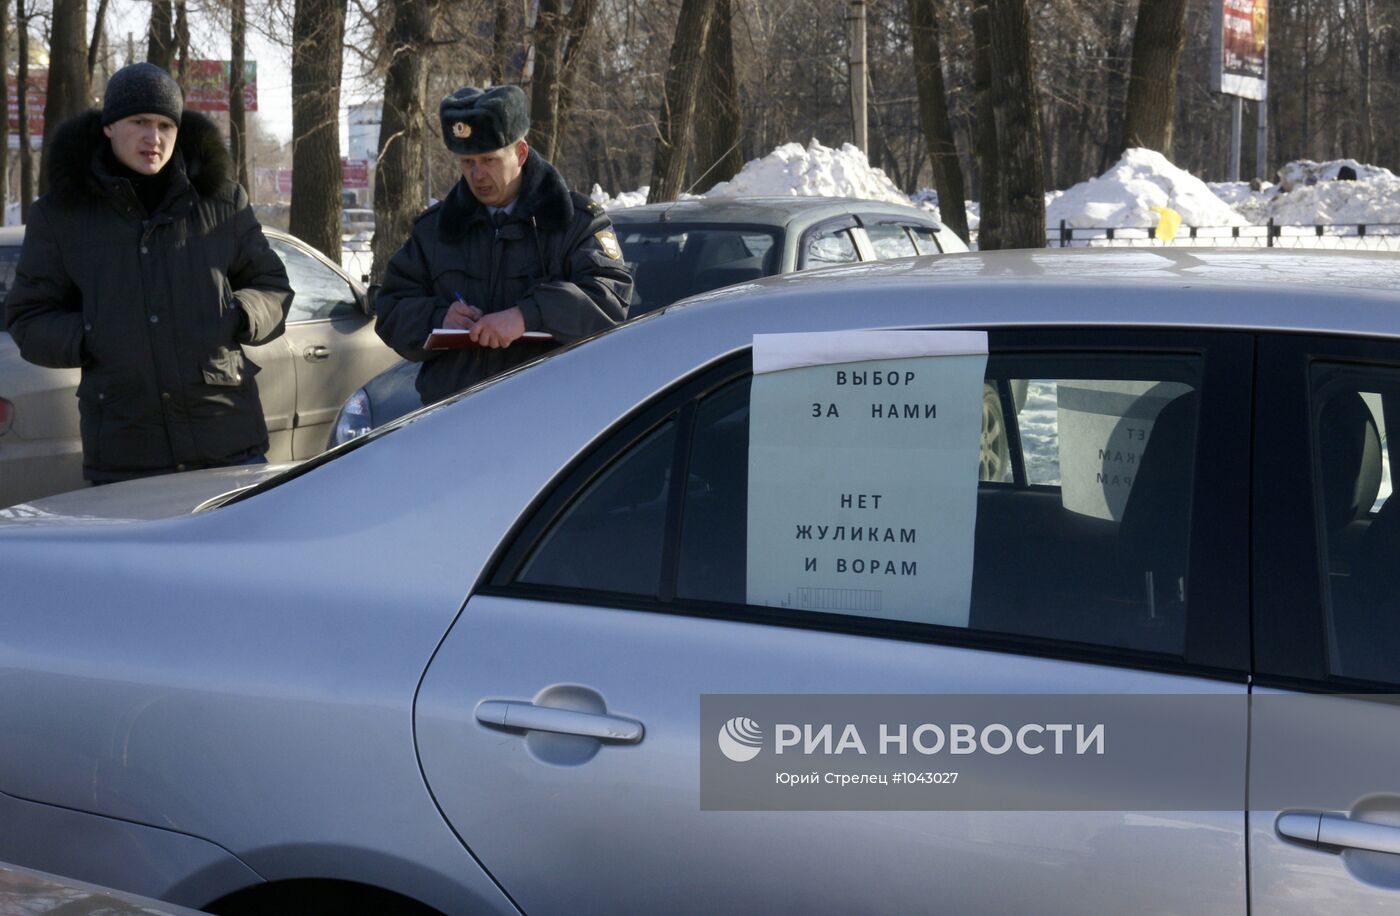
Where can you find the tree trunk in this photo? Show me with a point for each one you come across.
(557, 38)
(676, 126)
(318, 34)
(160, 43)
(68, 87)
(237, 115)
(503, 45)
(1115, 81)
(1016, 108)
(544, 85)
(1368, 122)
(26, 155)
(398, 173)
(718, 153)
(1158, 39)
(933, 116)
(95, 46)
(988, 156)
(5, 107)
(182, 41)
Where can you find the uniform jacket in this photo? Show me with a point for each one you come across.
(149, 306)
(551, 258)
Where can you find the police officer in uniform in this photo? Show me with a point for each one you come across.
(509, 250)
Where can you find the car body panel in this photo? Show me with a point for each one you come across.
(274, 647)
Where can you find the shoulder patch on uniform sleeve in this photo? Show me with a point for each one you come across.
(608, 240)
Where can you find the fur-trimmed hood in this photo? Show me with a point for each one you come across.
(543, 195)
(78, 140)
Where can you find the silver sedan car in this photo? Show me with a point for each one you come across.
(469, 663)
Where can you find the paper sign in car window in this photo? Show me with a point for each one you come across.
(1104, 427)
(863, 461)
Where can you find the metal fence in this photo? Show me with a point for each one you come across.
(1344, 236)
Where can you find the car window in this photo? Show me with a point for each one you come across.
(1090, 547)
(925, 240)
(1360, 523)
(320, 291)
(670, 262)
(830, 247)
(9, 260)
(890, 241)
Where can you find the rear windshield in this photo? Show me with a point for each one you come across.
(9, 257)
(670, 261)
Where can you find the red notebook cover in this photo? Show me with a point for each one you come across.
(460, 339)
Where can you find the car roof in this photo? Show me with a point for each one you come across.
(764, 211)
(1256, 289)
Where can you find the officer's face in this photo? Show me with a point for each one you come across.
(142, 142)
(494, 177)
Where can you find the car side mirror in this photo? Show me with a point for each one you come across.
(368, 298)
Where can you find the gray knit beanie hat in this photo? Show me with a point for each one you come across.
(142, 89)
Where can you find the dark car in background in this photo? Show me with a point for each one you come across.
(685, 248)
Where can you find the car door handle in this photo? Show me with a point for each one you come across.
(316, 353)
(530, 717)
(1315, 828)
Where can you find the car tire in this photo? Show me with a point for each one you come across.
(994, 460)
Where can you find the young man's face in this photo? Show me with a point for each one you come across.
(143, 142)
(494, 177)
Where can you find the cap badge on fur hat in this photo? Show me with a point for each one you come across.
(476, 121)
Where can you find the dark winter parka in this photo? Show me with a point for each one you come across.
(149, 305)
(550, 257)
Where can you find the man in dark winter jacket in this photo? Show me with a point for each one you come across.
(511, 249)
(145, 266)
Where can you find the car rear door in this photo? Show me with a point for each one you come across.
(332, 344)
(1325, 736)
(560, 723)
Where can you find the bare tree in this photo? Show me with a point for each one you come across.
(182, 40)
(557, 38)
(991, 195)
(398, 174)
(99, 23)
(237, 115)
(933, 114)
(1158, 39)
(4, 106)
(677, 121)
(68, 85)
(26, 154)
(160, 37)
(505, 43)
(1016, 110)
(318, 34)
(718, 149)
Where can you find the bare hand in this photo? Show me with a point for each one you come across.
(499, 329)
(461, 316)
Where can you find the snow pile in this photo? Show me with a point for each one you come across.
(1373, 199)
(1304, 172)
(1127, 192)
(816, 171)
(621, 201)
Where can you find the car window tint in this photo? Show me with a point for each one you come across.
(925, 240)
(610, 538)
(834, 247)
(1360, 524)
(670, 262)
(1092, 549)
(890, 241)
(320, 291)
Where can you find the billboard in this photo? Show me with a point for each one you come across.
(206, 85)
(354, 173)
(38, 93)
(1240, 48)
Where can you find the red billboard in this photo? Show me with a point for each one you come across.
(1240, 48)
(207, 82)
(354, 173)
(38, 92)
